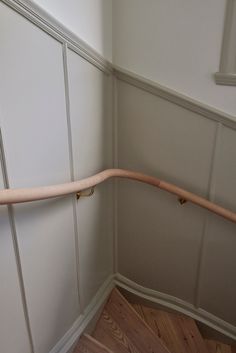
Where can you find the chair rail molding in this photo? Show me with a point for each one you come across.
(175, 97)
(42, 19)
(57, 30)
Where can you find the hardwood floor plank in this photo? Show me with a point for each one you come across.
(136, 329)
(217, 347)
(88, 344)
(110, 334)
(178, 332)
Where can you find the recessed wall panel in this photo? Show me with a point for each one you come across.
(218, 285)
(158, 239)
(91, 122)
(11, 308)
(34, 129)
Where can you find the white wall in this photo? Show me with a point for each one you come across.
(56, 253)
(91, 20)
(175, 43)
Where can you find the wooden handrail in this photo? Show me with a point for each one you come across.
(11, 196)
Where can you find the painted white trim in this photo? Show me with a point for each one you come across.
(210, 196)
(68, 340)
(175, 97)
(225, 79)
(53, 27)
(225, 50)
(227, 70)
(11, 218)
(57, 30)
(115, 165)
(72, 173)
(176, 304)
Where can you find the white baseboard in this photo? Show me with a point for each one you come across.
(68, 340)
(176, 304)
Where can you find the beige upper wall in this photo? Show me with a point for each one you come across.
(91, 20)
(176, 44)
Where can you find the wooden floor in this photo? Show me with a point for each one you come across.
(179, 333)
(88, 344)
(125, 327)
(219, 347)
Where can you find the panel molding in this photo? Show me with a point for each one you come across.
(70, 146)
(176, 304)
(10, 212)
(175, 97)
(58, 31)
(211, 197)
(115, 165)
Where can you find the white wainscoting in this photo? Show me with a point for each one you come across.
(91, 126)
(13, 320)
(181, 251)
(55, 118)
(217, 292)
(57, 99)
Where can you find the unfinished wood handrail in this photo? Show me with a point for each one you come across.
(11, 196)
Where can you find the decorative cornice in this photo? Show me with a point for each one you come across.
(175, 97)
(57, 30)
(225, 79)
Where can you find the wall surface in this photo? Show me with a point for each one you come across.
(181, 251)
(176, 44)
(55, 126)
(91, 20)
(11, 307)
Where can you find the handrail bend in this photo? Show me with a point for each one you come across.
(11, 196)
